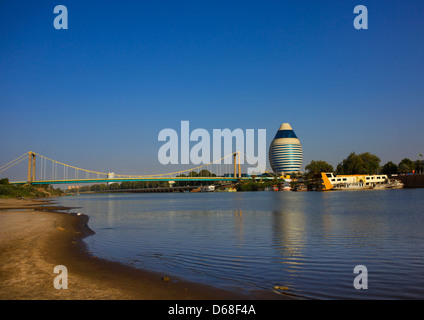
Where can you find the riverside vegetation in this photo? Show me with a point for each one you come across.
(8, 190)
(363, 163)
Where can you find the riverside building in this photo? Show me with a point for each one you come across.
(285, 152)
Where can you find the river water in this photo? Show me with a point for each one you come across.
(305, 243)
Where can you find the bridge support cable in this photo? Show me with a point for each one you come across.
(50, 171)
(13, 162)
(256, 163)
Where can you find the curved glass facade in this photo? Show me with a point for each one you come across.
(285, 134)
(285, 152)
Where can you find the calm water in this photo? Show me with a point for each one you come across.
(308, 242)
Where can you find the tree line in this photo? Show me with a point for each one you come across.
(365, 163)
(8, 190)
(125, 185)
(131, 185)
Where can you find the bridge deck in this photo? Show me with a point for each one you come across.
(76, 181)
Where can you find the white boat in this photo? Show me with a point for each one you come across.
(285, 186)
(358, 182)
(208, 189)
(391, 184)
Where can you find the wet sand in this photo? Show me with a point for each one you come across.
(33, 242)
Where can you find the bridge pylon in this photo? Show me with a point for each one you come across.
(237, 174)
(31, 167)
(45, 164)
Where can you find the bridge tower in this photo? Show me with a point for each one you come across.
(235, 165)
(31, 167)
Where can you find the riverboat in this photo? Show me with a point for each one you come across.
(358, 182)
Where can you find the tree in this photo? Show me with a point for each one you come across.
(406, 166)
(206, 173)
(114, 186)
(192, 174)
(419, 166)
(316, 167)
(364, 163)
(389, 168)
(403, 168)
(295, 175)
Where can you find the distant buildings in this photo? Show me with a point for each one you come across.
(285, 152)
(110, 175)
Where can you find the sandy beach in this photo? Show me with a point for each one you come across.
(35, 237)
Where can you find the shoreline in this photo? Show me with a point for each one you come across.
(35, 237)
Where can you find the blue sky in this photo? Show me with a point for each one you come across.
(97, 95)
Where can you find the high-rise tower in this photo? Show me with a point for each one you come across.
(285, 152)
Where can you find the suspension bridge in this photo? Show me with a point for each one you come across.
(42, 170)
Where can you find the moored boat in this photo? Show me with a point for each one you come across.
(299, 187)
(391, 184)
(285, 186)
(208, 189)
(358, 182)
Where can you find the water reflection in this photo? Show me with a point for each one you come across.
(306, 242)
(111, 204)
(239, 227)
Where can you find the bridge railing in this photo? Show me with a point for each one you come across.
(49, 171)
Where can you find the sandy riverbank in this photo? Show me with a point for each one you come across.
(33, 242)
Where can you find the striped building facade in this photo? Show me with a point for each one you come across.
(285, 152)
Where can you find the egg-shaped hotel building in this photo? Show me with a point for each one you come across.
(285, 152)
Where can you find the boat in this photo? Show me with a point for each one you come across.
(395, 184)
(231, 189)
(285, 186)
(300, 187)
(208, 189)
(391, 184)
(358, 182)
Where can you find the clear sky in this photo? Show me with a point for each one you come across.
(97, 95)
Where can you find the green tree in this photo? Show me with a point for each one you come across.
(316, 167)
(389, 168)
(364, 163)
(192, 174)
(114, 186)
(406, 166)
(403, 168)
(206, 173)
(419, 166)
